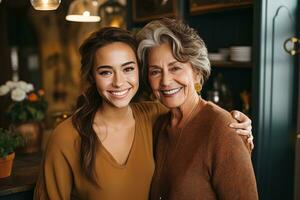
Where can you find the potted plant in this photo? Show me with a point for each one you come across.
(8, 143)
(26, 111)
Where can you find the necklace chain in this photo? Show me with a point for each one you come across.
(166, 166)
(186, 123)
(189, 116)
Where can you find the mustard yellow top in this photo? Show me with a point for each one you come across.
(61, 176)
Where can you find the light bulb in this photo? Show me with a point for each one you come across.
(83, 11)
(45, 4)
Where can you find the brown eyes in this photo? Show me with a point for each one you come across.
(110, 72)
(173, 69)
(105, 73)
(128, 69)
(154, 72)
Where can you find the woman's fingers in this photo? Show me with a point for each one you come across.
(243, 126)
(244, 122)
(244, 132)
(250, 141)
(249, 136)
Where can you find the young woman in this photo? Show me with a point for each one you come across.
(104, 150)
(197, 155)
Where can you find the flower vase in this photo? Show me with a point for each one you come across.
(32, 134)
(6, 165)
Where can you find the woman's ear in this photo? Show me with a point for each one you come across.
(197, 76)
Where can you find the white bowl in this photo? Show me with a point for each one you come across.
(216, 57)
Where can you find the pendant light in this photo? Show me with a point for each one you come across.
(113, 14)
(83, 11)
(45, 4)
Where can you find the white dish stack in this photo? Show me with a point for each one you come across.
(222, 55)
(216, 57)
(240, 53)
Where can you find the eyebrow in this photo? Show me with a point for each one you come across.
(110, 67)
(103, 67)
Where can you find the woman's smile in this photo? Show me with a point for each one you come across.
(119, 93)
(171, 92)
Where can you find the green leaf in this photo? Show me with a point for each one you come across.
(9, 142)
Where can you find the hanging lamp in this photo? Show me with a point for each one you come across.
(113, 14)
(83, 11)
(45, 4)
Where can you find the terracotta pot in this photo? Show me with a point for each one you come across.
(6, 165)
(32, 133)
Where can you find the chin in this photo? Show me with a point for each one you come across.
(171, 104)
(120, 104)
(117, 103)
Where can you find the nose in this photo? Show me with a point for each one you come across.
(165, 79)
(118, 79)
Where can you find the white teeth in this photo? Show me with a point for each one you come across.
(119, 93)
(169, 92)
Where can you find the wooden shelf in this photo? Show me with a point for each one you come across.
(201, 8)
(230, 64)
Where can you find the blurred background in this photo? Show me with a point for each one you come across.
(253, 49)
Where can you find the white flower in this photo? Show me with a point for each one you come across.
(22, 85)
(11, 84)
(18, 94)
(4, 89)
(29, 87)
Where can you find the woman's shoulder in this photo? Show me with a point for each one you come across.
(63, 134)
(220, 132)
(217, 115)
(215, 121)
(149, 108)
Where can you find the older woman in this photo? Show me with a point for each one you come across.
(197, 155)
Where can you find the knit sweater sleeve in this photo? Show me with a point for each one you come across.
(232, 172)
(55, 178)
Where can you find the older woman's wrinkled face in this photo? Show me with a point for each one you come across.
(172, 82)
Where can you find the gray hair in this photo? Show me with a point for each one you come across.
(186, 44)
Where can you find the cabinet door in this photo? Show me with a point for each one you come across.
(297, 151)
(275, 98)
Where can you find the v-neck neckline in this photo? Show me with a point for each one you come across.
(176, 134)
(174, 145)
(110, 158)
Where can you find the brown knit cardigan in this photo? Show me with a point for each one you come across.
(206, 159)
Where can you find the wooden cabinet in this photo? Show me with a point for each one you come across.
(274, 83)
(273, 79)
(224, 29)
(231, 64)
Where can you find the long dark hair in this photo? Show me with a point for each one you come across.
(89, 102)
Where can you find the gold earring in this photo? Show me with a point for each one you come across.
(198, 87)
